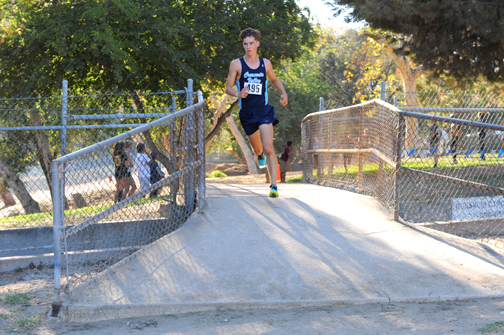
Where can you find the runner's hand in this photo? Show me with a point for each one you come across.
(243, 93)
(283, 100)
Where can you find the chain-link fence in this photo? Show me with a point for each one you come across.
(122, 210)
(37, 130)
(440, 171)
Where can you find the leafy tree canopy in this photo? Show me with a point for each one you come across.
(462, 38)
(131, 44)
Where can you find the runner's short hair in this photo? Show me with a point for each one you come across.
(250, 32)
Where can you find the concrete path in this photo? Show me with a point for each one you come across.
(313, 246)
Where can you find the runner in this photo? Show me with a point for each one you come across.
(250, 74)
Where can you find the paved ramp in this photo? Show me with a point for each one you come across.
(313, 246)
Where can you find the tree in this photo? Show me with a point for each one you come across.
(150, 45)
(126, 44)
(462, 38)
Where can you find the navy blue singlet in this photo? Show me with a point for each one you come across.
(257, 82)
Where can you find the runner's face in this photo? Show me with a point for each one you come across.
(250, 45)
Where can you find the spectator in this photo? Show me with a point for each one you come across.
(348, 143)
(434, 138)
(155, 174)
(121, 163)
(143, 161)
(130, 186)
(454, 132)
(502, 137)
(482, 135)
(285, 164)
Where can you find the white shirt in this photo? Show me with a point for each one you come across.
(143, 168)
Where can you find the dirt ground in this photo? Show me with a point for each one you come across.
(26, 296)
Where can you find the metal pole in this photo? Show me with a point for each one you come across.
(189, 139)
(64, 116)
(359, 156)
(57, 238)
(321, 107)
(397, 174)
(201, 154)
(382, 92)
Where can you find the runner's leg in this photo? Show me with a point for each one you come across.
(255, 142)
(266, 131)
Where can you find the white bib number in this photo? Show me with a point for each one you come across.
(254, 88)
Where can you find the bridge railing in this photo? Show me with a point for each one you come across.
(440, 171)
(119, 214)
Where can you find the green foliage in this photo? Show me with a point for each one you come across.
(463, 38)
(24, 322)
(17, 299)
(493, 328)
(216, 174)
(152, 45)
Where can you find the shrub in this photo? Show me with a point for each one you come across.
(217, 174)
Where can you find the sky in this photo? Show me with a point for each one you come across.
(323, 14)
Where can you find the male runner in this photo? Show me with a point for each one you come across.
(257, 117)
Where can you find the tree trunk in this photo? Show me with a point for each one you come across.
(7, 197)
(252, 167)
(17, 186)
(408, 76)
(44, 154)
(220, 110)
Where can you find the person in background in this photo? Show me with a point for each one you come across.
(143, 161)
(285, 164)
(122, 163)
(482, 135)
(130, 186)
(454, 132)
(156, 174)
(434, 139)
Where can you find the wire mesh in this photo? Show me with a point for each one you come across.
(35, 131)
(122, 209)
(443, 172)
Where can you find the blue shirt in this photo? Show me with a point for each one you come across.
(256, 81)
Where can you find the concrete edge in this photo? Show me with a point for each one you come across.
(93, 313)
(8, 264)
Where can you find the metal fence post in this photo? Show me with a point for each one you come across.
(201, 153)
(397, 172)
(64, 118)
(304, 149)
(359, 156)
(188, 139)
(383, 90)
(57, 238)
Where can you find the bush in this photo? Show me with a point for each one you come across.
(216, 174)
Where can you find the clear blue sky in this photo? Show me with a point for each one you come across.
(323, 14)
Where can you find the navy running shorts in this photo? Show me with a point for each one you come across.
(251, 120)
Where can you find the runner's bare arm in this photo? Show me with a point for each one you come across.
(234, 72)
(276, 82)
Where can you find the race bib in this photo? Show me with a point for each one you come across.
(254, 88)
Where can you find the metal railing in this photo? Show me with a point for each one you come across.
(443, 172)
(119, 214)
(36, 130)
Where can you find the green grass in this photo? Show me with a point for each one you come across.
(216, 174)
(295, 180)
(493, 328)
(17, 299)
(23, 322)
(46, 218)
